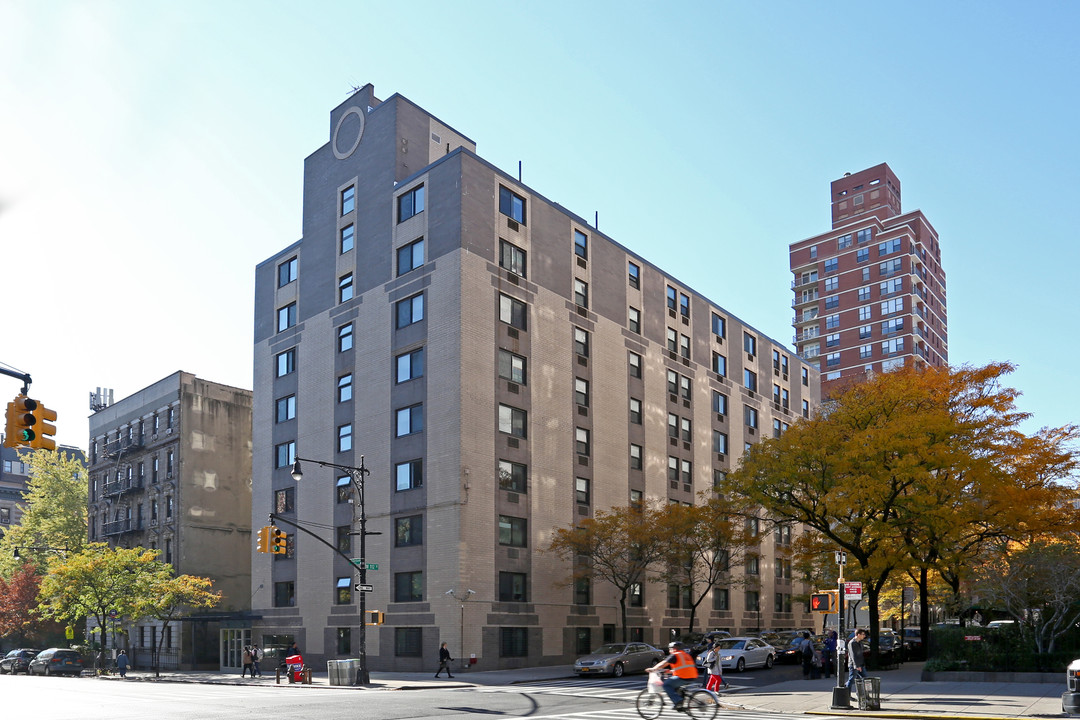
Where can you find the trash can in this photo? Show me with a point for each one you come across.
(343, 672)
(869, 691)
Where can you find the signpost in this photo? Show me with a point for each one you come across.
(361, 587)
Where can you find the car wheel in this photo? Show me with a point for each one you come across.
(618, 670)
(768, 661)
(47, 671)
(741, 665)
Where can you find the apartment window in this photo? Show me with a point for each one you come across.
(581, 490)
(687, 469)
(409, 475)
(345, 288)
(343, 591)
(581, 244)
(409, 531)
(410, 203)
(865, 313)
(892, 306)
(512, 258)
(866, 352)
(410, 310)
(348, 238)
(343, 489)
(344, 388)
(685, 387)
(513, 476)
(844, 241)
(894, 325)
(512, 587)
(750, 380)
(865, 331)
(410, 365)
(784, 364)
(719, 442)
(719, 364)
(864, 294)
(832, 302)
(830, 267)
(685, 429)
(635, 365)
(806, 408)
(634, 275)
(719, 403)
(635, 320)
(672, 340)
(284, 455)
(512, 205)
(512, 421)
(286, 409)
(890, 287)
(512, 312)
(581, 392)
(891, 267)
(348, 200)
(581, 293)
(635, 411)
(672, 294)
(410, 420)
(169, 506)
(637, 595)
(635, 457)
(513, 642)
(344, 437)
(832, 322)
(784, 398)
(408, 642)
(673, 468)
(862, 254)
(410, 257)
(284, 594)
(581, 441)
(512, 367)
(813, 252)
(749, 344)
(672, 382)
(512, 531)
(721, 599)
(673, 425)
(286, 362)
(285, 500)
(583, 596)
(684, 346)
(286, 317)
(888, 247)
(832, 284)
(581, 342)
(287, 271)
(832, 340)
(865, 235)
(719, 327)
(750, 416)
(776, 393)
(345, 338)
(776, 428)
(832, 359)
(409, 586)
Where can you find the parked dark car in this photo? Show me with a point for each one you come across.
(57, 661)
(17, 661)
(788, 646)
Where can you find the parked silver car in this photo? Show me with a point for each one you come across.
(617, 659)
(739, 653)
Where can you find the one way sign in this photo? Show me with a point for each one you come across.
(363, 588)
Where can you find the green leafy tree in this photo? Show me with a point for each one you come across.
(173, 597)
(619, 546)
(54, 511)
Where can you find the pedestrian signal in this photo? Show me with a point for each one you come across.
(823, 602)
(374, 617)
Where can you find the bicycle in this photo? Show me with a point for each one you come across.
(698, 702)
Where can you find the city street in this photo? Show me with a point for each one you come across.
(46, 698)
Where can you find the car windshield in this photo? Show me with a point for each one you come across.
(732, 644)
(609, 650)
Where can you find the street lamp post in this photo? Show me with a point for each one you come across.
(356, 474)
(465, 595)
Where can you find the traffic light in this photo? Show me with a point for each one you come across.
(20, 422)
(262, 542)
(277, 541)
(43, 428)
(823, 602)
(374, 617)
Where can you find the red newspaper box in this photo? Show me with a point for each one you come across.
(295, 665)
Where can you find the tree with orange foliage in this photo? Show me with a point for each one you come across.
(912, 468)
(18, 599)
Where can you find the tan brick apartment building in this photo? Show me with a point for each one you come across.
(505, 369)
(870, 294)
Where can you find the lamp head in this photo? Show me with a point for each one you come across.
(297, 473)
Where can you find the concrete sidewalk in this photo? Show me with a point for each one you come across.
(903, 692)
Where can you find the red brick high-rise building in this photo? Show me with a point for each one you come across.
(869, 293)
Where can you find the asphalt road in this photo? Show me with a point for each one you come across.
(49, 698)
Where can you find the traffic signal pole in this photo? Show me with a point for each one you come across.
(841, 699)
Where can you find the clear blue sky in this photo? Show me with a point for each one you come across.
(151, 154)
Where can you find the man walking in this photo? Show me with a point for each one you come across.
(444, 661)
(856, 659)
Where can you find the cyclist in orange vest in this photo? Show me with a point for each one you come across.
(682, 669)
